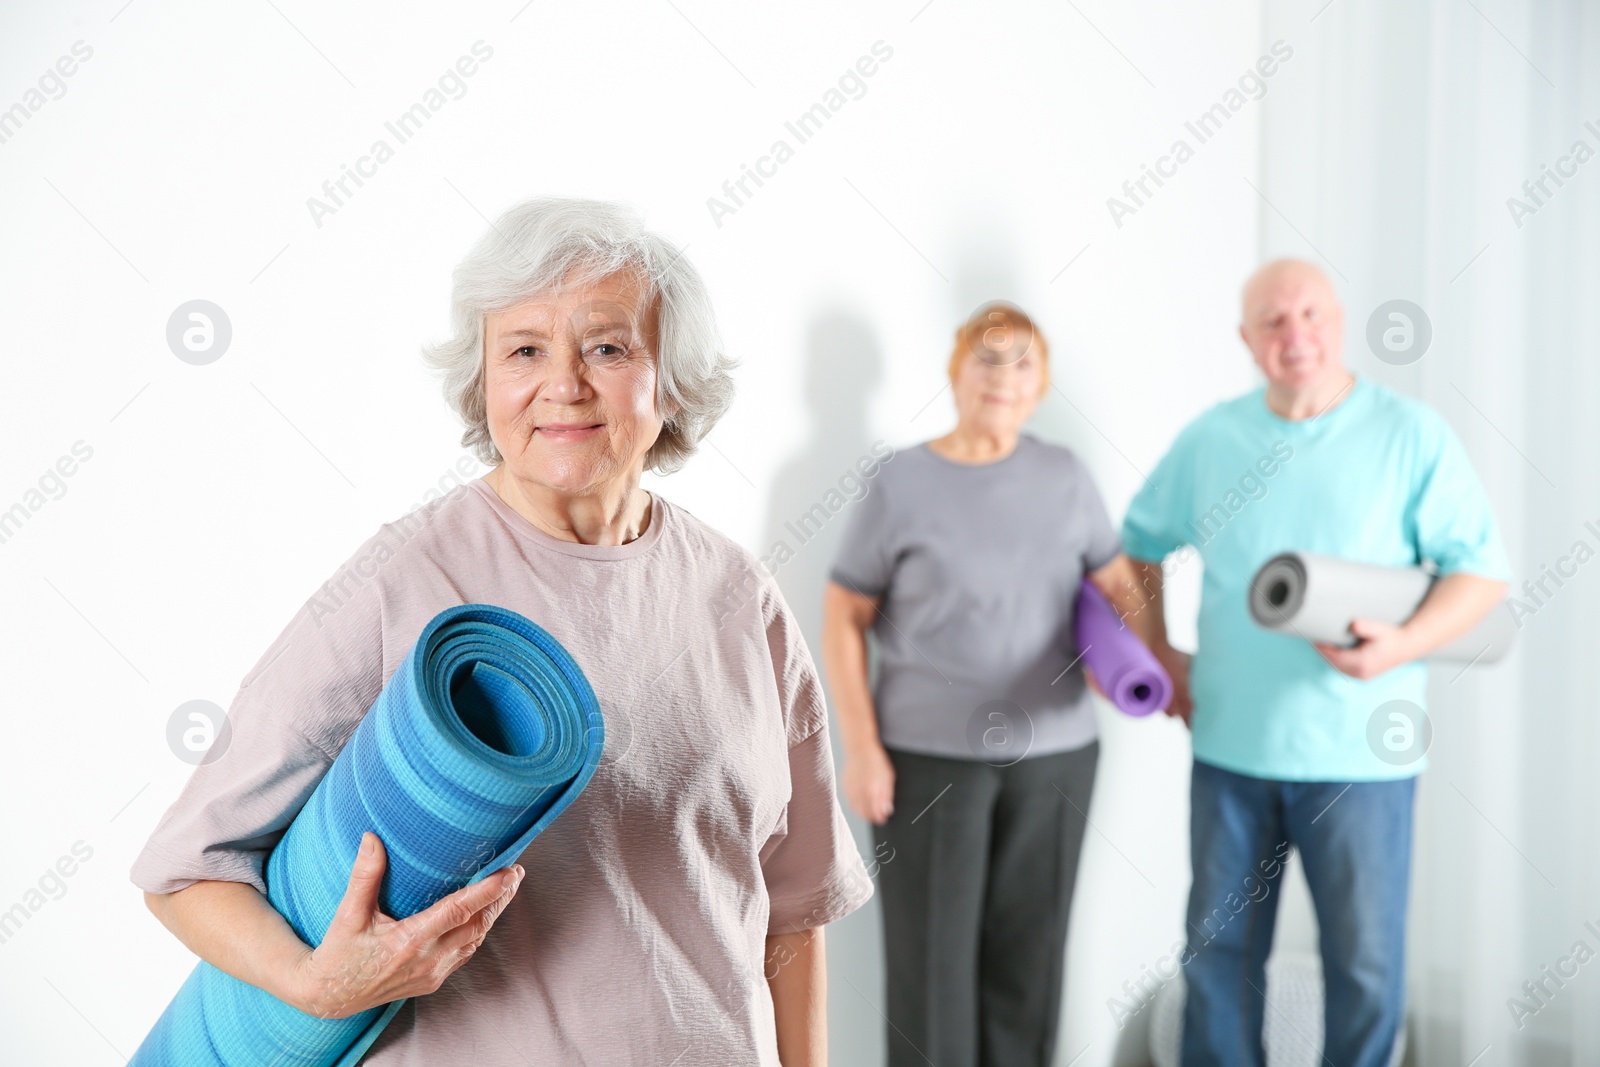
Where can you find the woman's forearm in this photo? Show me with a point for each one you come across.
(797, 976)
(1134, 589)
(365, 958)
(844, 658)
(235, 929)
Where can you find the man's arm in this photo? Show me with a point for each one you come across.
(796, 969)
(1454, 605)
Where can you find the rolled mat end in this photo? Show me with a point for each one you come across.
(1128, 672)
(485, 733)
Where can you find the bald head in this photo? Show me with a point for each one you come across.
(1290, 317)
(1281, 274)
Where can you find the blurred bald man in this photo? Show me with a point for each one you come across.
(1318, 460)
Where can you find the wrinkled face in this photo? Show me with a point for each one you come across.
(1294, 326)
(998, 383)
(570, 385)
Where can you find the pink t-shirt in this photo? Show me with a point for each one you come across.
(639, 933)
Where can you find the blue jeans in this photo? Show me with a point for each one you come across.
(1354, 841)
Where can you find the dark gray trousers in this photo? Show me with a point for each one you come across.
(976, 871)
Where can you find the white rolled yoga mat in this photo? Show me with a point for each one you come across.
(1316, 597)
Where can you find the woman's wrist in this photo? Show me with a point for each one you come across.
(284, 963)
(860, 747)
(302, 988)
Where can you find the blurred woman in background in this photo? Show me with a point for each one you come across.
(974, 755)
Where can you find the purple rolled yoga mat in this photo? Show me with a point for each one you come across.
(1128, 672)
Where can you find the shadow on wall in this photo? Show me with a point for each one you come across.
(843, 369)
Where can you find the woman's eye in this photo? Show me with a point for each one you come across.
(607, 349)
(525, 350)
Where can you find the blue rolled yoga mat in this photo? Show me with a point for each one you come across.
(483, 736)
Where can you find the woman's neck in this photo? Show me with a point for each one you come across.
(970, 445)
(614, 515)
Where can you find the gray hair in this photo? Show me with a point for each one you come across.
(550, 242)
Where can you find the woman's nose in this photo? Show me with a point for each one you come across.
(565, 383)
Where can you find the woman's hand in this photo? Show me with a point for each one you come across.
(368, 959)
(1177, 667)
(868, 780)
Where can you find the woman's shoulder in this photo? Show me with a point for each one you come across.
(702, 559)
(346, 610)
(1057, 457)
(440, 528)
(465, 504)
(697, 543)
(1063, 469)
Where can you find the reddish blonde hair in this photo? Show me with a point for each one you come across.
(977, 334)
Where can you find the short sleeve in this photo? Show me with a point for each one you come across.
(1152, 529)
(865, 560)
(813, 873)
(1455, 526)
(291, 715)
(1101, 544)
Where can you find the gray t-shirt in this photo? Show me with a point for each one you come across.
(978, 567)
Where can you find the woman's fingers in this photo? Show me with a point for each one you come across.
(367, 959)
(868, 803)
(464, 939)
(865, 805)
(877, 804)
(868, 784)
(870, 797)
(460, 907)
(360, 901)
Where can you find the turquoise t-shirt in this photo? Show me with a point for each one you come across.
(1379, 477)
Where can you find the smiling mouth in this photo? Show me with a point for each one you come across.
(568, 431)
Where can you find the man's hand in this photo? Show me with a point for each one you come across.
(1453, 606)
(1176, 665)
(1383, 647)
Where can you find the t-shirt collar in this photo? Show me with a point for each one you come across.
(527, 531)
(1353, 397)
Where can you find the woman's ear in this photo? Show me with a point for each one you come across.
(671, 411)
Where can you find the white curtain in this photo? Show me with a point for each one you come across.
(1389, 157)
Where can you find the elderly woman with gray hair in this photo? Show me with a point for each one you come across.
(673, 914)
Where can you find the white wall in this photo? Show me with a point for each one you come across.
(1429, 120)
(177, 165)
